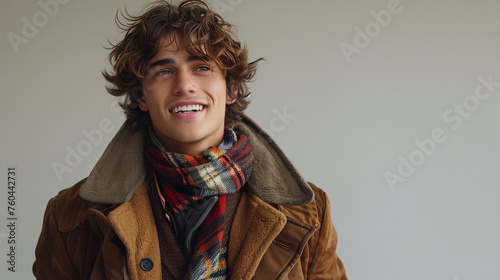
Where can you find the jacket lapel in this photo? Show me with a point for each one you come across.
(111, 250)
(134, 224)
(255, 225)
(263, 242)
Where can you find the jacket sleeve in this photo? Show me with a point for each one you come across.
(51, 256)
(325, 264)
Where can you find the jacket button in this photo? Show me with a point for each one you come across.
(147, 264)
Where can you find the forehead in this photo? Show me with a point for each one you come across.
(173, 43)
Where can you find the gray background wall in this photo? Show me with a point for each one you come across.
(350, 98)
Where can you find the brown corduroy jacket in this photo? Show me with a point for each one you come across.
(104, 228)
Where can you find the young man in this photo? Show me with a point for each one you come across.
(189, 188)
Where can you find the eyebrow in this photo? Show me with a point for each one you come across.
(167, 61)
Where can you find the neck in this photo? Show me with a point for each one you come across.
(191, 149)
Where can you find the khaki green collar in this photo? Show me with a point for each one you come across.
(122, 169)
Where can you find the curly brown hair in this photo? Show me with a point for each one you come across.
(201, 31)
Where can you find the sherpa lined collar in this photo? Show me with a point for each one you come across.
(122, 169)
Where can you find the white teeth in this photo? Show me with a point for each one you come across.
(188, 108)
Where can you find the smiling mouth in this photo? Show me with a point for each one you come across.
(187, 108)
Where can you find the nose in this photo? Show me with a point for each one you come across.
(184, 82)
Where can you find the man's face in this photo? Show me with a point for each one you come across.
(186, 98)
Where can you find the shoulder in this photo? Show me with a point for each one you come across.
(320, 199)
(68, 209)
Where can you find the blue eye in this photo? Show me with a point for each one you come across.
(203, 68)
(163, 72)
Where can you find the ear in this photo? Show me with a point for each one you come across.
(138, 94)
(142, 104)
(229, 99)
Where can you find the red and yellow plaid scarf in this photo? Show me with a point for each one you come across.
(184, 179)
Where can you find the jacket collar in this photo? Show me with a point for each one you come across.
(122, 168)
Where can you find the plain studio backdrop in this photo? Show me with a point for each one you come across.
(392, 107)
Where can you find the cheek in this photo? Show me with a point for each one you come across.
(222, 93)
(151, 103)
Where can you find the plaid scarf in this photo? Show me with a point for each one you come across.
(185, 179)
